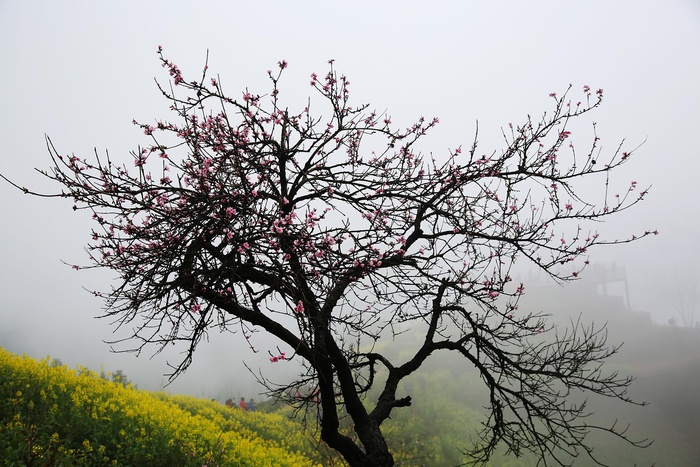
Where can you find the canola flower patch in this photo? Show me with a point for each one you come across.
(52, 415)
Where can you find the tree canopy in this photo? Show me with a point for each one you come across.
(327, 228)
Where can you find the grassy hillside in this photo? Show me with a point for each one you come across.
(51, 415)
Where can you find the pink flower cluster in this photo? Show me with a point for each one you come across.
(175, 72)
(277, 358)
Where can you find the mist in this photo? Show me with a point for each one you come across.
(81, 71)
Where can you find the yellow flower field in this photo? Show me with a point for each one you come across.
(52, 415)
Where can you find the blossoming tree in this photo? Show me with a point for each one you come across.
(331, 231)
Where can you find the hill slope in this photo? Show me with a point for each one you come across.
(51, 415)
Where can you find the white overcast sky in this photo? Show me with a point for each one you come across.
(81, 71)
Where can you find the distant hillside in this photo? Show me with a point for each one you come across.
(448, 396)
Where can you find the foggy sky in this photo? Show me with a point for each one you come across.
(81, 71)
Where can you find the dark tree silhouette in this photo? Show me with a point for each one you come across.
(330, 232)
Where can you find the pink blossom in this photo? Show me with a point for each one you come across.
(275, 359)
(300, 307)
